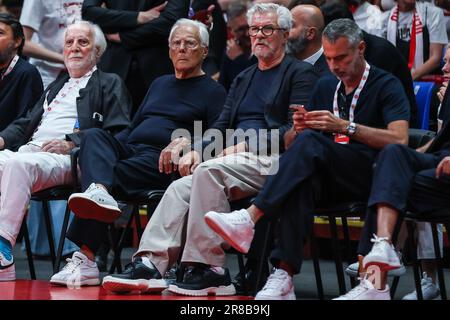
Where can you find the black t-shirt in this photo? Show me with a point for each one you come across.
(382, 100)
(251, 109)
(171, 104)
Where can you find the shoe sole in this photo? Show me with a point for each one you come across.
(218, 291)
(84, 283)
(398, 272)
(85, 208)
(124, 286)
(217, 229)
(382, 265)
(286, 297)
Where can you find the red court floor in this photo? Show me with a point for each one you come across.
(42, 290)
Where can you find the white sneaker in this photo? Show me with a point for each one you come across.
(352, 269)
(279, 286)
(95, 203)
(366, 291)
(382, 255)
(7, 269)
(430, 290)
(79, 271)
(237, 228)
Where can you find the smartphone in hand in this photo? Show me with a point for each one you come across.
(298, 108)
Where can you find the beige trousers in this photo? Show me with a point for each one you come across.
(213, 185)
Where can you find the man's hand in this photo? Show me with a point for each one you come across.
(443, 167)
(238, 148)
(170, 156)
(58, 146)
(325, 121)
(441, 92)
(234, 50)
(188, 163)
(149, 15)
(289, 137)
(298, 118)
(114, 37)
(2, 143)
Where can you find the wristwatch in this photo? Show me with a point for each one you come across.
(351, 129)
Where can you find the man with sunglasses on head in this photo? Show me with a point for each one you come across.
(258, 102)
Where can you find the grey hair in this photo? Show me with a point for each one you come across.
(202, 30)
(236, 9)
(99, 37)
(343, 28)
(283, 13)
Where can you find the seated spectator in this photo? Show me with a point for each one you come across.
(140, 158)
(377, 49)
(417, 29)
(347, 122)
(84, 98)
(419, 167)
(20, 82)
(258, 101)
(366, 15)
(238, 55)
(305, 37)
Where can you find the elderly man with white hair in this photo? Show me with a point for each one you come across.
(140, 158)
(258, 106)
(82, 99)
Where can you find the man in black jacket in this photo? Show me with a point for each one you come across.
(257, 104)
(82, 99)
(20, 82)
(137, 32)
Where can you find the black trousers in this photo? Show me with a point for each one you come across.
(314, 171)
(404, 179)
(122, 168)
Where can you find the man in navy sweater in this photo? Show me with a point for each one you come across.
(20, 82)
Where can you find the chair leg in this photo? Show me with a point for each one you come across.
(337, 255)
(394, 286)
(48, 224)
(437, 252)
(413, 252)
(315, 256)
(26, 237)
(264, 258)
(348, 248)
(62, 239)
(241, 264)
(137, 220)
(118, 248)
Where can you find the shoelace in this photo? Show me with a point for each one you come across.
(376, 239)
(240, 218)
(72, 264)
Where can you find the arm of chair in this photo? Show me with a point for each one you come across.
(74, 165)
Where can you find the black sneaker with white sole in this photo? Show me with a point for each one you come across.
(136, 277)
(202, 280)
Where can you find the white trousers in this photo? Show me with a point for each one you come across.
(22, 173)
(425, 247)
(213, 184)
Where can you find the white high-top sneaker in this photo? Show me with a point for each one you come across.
(382, 255)
(79, 271)
(279, 286)
(236, 227)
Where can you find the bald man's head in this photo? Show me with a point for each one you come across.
(307, 28)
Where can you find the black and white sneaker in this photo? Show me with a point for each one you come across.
(139, 275)
(7, 269)
(204, 280)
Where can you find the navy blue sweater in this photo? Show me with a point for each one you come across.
(19, 91)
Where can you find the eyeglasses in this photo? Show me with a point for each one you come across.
(188, 44)
(266, 30)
